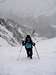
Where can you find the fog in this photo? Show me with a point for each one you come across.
(38, 13)
(28, 7)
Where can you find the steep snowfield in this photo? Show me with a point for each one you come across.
(9, 65)
(6, 35)
(12, 32)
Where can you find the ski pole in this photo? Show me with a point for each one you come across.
(37, 52)
(37, 41)
(19, 52)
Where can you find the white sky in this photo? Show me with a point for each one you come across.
(35, 7)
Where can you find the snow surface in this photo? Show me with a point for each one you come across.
(3, 43)
(11, 63)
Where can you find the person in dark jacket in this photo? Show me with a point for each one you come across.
(28, 43)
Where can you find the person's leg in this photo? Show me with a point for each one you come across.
(31, 53)
(27, 50)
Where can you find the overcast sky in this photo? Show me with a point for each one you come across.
(35, 7)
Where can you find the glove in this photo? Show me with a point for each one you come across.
(23, 43)
(33, 44)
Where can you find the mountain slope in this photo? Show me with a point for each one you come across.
(45, 66)
(13, 32)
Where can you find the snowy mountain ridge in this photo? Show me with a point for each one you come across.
(14, 33)
(6, 35)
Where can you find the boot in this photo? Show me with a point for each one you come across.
(30, 57)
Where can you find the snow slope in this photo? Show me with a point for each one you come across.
(6, 37)
(3, 43)
(9, 65)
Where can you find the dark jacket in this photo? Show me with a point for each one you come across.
(28, 43)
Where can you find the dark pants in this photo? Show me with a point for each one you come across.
(29, 52)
